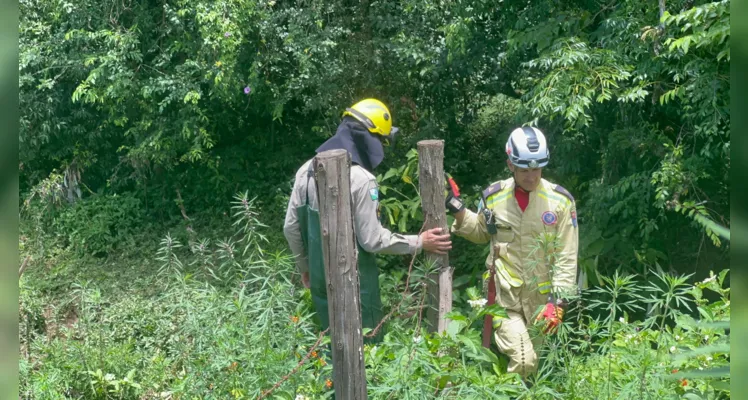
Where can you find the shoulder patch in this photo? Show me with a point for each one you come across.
(574, 217)
(560, 189)
(493, 189)
(374, 194)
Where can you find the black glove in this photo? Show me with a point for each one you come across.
(453, 202)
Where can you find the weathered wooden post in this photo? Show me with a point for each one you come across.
(332, 169)
(432, 183)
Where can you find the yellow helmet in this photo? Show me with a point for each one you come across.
(375, 116)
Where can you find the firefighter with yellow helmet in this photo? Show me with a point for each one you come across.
(365, 130)
(513, 214)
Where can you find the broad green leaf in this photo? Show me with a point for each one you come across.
(722, 348)
(711, 373)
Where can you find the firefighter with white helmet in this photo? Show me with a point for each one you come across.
(513, 214)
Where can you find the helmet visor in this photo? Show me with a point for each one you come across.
(390, 139)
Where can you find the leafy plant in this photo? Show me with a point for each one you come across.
(404, 202)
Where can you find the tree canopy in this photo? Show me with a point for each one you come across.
(213, 97)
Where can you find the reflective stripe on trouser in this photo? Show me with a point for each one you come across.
(513, 339)
(544, 287)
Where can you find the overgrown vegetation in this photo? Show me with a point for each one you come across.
(225, 320)
(149, 277)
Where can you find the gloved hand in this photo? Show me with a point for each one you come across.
(552, 314)
(453, 202)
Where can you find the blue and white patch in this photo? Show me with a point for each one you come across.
(374, 194)
(574, 218)
(549, 218)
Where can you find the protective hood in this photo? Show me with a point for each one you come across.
(364, 147)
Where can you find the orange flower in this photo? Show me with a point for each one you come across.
(675, 371)
(294, 319)
(314, 354)
(684, 382)
(328, 383)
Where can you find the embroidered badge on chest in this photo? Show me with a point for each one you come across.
(549, 218)
(374, 194)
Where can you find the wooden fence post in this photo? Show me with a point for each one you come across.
(332, 169)
(432, 181)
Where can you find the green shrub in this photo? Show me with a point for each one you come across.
(242, 330)
(100, 224)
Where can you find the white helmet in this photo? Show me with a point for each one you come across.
(526, 148)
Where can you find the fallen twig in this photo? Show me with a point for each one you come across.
(180, 203)
(24, 265)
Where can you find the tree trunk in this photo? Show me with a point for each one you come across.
(332, 169)
(432, 183)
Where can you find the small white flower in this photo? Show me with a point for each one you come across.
(709, 279)
(709, 358)
(477, 303)
(706, 337)
(672, 349)
(621, 320)
(417, 339)
(109, 377)
(300, 397)
(677, 337)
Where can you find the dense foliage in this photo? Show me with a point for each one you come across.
(210, 98)
(217, 319)
(141, 118)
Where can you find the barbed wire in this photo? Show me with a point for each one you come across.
(374, 332)
(371, 334)
(299, 365)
